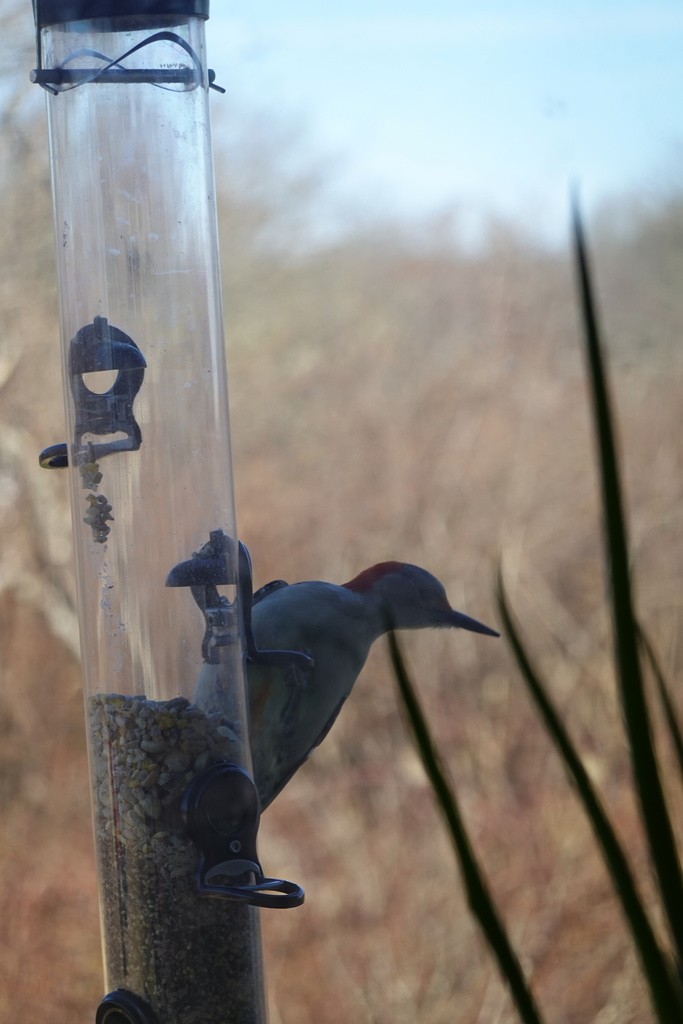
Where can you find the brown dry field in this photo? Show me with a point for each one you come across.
(391, 398)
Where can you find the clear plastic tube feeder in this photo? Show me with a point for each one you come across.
(164, 588)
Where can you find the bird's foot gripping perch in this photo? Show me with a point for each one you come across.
(211, 567)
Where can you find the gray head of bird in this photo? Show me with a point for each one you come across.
(408, 597)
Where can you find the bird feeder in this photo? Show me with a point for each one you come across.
(163, 585)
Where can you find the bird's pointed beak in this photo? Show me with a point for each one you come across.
(461, 621)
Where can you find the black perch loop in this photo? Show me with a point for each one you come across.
(221, 811)
(124, 1007)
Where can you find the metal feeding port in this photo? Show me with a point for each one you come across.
(221, 811)
(96, 348)
(220, 806)
(209, 568)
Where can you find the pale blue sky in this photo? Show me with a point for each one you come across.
(496, 104)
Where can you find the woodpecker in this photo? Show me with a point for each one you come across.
(292, 709)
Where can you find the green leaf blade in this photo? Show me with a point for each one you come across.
(479, 898)
(649, 788)
(665, 993)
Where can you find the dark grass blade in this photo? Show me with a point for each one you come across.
(479, 898)
(651, 799)
(665, 698)
(666, 996)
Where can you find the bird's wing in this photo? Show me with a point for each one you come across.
(285, 764)
(328, 725)
(296, 682)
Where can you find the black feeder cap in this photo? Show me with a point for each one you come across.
(54, 12)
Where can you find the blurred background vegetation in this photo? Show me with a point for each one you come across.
(393, 396)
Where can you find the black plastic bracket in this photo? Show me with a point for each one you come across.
(210, 567)
(99, 346)
(221, 811)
